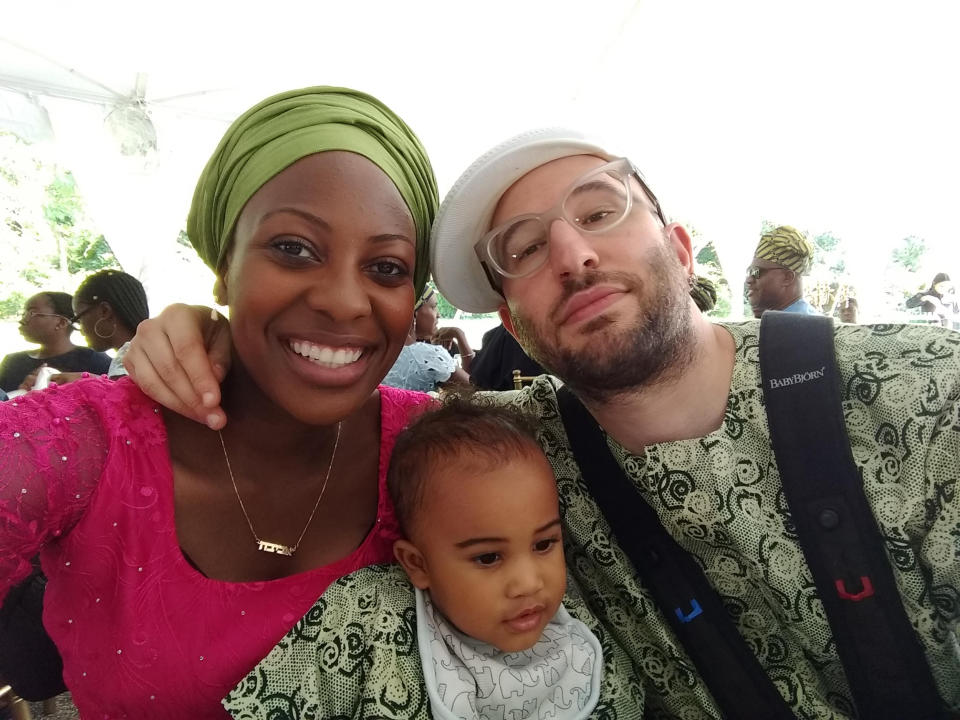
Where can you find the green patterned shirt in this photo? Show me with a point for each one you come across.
(721, 498)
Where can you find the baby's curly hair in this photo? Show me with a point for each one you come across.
(462, 423)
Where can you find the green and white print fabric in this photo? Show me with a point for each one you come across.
(354, 655)
(720, 496)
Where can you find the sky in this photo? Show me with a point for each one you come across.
(834, 116)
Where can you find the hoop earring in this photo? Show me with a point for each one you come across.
(102, 336)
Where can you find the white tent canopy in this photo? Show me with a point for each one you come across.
(825, 115)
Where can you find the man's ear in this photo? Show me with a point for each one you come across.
(789, 277)
(220, 291)
(504, 312)
(681, 242)
(413, 562)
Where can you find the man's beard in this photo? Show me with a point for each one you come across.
(657, 346)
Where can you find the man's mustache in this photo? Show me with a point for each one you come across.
(571, 286)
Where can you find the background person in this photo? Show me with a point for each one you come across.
(849, 310)
(452, 339)
(177, 556)
(499, 355)
(46, 320)
(108, 306)
(423, 366)
(774, 278)
(940, 299)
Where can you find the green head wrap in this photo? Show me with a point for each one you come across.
(282, 129)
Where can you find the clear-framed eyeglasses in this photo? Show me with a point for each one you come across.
(595, 203)
(29, 315)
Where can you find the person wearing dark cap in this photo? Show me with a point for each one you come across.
(775, 276)
(107, 307)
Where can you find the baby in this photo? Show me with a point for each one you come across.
(477, 504)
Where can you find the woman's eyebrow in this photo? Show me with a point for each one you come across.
(390, 237)
(308, 216)
(324, 225)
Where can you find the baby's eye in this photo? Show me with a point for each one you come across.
(545, 545)
(487, 559)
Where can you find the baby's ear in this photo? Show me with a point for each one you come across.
(413, 562)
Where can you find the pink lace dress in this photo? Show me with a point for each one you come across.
(85, 478)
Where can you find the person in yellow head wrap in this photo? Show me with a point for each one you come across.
(179, 555)
(775, 276)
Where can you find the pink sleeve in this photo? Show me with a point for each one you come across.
(53, 447)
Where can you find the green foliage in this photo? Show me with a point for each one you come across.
(445, 310)
(46, 238)
(909, 253)
(707, 264)
(87, 254)
(12, 305)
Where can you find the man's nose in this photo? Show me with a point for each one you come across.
(570, 251)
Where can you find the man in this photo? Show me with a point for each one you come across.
(596, 291)
(849, 310)
(774, 278)
(499, 355)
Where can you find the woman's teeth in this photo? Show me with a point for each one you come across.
(326, 355)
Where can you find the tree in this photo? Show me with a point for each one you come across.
(47, 240)
(910, 252)
(708, 265)
(903, 277)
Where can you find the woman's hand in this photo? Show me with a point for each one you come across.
(179, 359)
(31, 379)
(66, 377)
(446, 336)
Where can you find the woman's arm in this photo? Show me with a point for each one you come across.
(446, 335)
(179, 359)
(54, 449)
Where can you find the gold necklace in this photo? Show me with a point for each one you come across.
(266, 545)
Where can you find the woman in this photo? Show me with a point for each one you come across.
(939, 299)
(108, 306)
(177, 556)
(47, 321)
(452, 339)
(422, 365)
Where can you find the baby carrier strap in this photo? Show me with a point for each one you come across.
(672, 576)
(884, 662)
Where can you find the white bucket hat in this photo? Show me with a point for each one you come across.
(467, 210)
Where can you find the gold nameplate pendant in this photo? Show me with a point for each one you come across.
(277, 548)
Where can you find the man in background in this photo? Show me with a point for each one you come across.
(774, 278)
